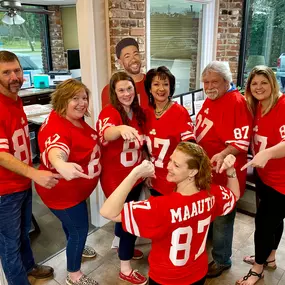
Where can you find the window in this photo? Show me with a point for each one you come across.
(265, 41)
(180, 36)
(28, 41)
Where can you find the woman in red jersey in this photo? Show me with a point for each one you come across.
(70, 147)
(120, 128)
(167, 124)
(267, 105)
(177, 223)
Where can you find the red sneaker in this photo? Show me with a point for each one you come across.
(134, 278)
(137, 254)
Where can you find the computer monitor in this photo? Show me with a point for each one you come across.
(73, 59)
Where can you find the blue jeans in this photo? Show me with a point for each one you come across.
(223, 230)
(15, 248)
(75, 225)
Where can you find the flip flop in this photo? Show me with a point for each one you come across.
(250, 259)
(249, 274)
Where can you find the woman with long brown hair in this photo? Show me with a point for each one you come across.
(177, 223)
(120, 128)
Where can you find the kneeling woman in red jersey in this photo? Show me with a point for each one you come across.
(70, 147)
(120, 128)
(168, 123)
(267, 105)
(178, 223)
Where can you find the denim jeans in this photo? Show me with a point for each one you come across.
(15, 249)
(127, 240)
(223, 230)
(75, 225)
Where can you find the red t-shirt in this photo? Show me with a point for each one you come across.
(14, 139)
(162, 137)
(81, 146)
(143, 98)
(178, 227)
(222, 122)
(119, 157)
(268, 131)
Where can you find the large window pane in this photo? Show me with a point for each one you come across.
(266, 37)
(27, 40)
(175, 38)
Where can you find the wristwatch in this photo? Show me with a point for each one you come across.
(233, 175)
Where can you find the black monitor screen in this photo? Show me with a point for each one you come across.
(73, 59)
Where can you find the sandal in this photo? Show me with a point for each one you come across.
(251, 273)
(251, 259)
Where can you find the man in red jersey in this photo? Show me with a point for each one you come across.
(16, 173)
(223, 126)
(127, 52)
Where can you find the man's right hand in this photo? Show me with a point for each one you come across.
(46, 178)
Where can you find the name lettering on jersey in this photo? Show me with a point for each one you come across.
(152, 132)
(206, 111)
(197, 208)
(255, 129)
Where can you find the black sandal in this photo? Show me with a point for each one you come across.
(252, 273)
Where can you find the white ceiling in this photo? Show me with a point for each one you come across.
(49, 2)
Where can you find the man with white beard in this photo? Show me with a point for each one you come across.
(223, 126)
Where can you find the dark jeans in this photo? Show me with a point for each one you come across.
(75, 225)
(268, 221)
(15, 249)
(127, 240)
(200, 282)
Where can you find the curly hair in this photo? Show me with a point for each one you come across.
(198, 159)
(135, 107)
(64, 92)
(162, 72)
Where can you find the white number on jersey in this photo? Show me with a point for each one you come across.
(282, 131)
(130, 152)
(20, 145)
(203, 123)
(141, 205)
(241, 133)
(94, 162)
(203, 228)
(165, 143)
(259, 139)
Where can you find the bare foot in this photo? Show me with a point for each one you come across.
(253, 276)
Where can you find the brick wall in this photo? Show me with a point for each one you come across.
(126, 19)
(229, 33)
(56, 39)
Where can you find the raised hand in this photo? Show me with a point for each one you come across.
(129, 133)
(70, 170)
(145, 169)
(217, 161)
(259, 160)
(228, 163)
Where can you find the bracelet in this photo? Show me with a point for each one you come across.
(233, 175)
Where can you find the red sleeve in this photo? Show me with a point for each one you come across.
(186, 125)
(53, 135)
(105, 96)
(108, 117)
(225, 200)
(237, 124)
(143, 218)
(4, 143)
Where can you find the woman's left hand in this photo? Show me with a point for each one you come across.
(259, 160)
(228, 163)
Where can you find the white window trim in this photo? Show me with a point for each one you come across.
(209, 32)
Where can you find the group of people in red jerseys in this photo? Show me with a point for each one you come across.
(143, 138)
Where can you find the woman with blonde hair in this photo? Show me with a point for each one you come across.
(267, 105)
(177, 223)
(69, 146)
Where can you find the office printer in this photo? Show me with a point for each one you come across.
(58, 76)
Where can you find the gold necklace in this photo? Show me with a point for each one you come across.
(159, 113)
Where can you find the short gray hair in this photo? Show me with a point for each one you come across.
(221, 68)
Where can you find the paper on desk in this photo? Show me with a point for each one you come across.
(37, 109)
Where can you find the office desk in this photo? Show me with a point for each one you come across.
(32, 96)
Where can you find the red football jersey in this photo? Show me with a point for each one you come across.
(143, 98)
(268, 131)
(222, 122)
(14, 139)
(162, 137)
(178, 227)
(82, 147)
(119, 157)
